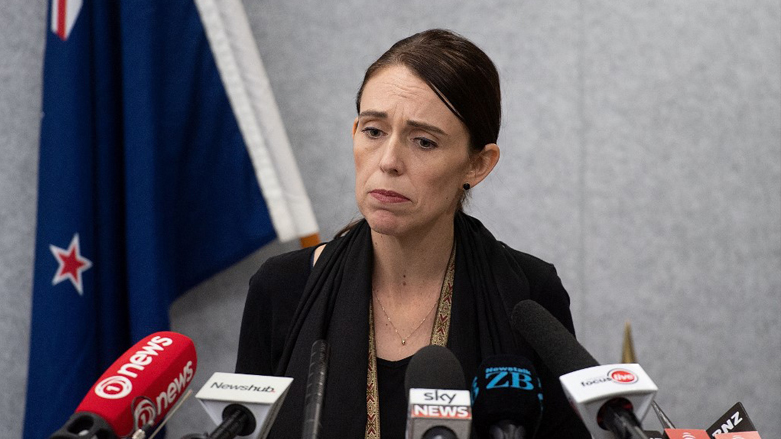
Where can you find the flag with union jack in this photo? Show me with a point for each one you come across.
(162, 161)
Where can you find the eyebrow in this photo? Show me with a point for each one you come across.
(412, 123)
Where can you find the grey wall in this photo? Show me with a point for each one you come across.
(21, 59)
(641, 153)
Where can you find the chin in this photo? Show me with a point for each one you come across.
(385, 223)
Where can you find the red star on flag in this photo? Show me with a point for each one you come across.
(72, 264)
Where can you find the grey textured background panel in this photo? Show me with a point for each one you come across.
(21, 59)
(210, 314)
(641, 153)
(682, 198)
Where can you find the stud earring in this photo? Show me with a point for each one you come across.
(466, 186)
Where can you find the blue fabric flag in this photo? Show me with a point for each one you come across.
(146, 188)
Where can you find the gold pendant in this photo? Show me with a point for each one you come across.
(403, 342)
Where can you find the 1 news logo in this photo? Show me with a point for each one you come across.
(114, 387)
(119, 386)
(144, 413)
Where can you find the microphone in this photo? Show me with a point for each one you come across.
(736, 419)
(683, 433)
(434, 367)
(686, 433)
(242, 405)
(740, 435)
(662, 416)
(734, 424)
(137, 391)
(605, 397)
(315, 389)
(438, 402)
(506, 398)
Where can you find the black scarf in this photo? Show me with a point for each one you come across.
(335, 306)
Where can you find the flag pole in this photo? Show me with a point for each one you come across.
(628, 356)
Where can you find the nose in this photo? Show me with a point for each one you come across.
(392, 157)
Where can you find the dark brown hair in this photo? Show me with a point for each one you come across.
(461, 74)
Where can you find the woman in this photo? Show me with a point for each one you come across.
(416, 270)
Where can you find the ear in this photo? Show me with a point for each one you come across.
(355, 126)
(482, 164)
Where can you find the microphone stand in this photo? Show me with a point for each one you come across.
(622, 422)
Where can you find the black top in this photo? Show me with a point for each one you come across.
(393, 404)
(279, 285)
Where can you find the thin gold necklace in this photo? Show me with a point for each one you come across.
(439, 335)
(404, 339)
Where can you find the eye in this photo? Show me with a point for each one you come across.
(372, 132)
(425, 143)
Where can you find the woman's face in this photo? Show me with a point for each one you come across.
(411, 155)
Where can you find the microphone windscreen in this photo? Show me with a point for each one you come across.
(557, 347)
(506, 388)
(144, 383)
(434, 367)
(315, 389)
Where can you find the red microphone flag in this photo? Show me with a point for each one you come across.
(144, 383)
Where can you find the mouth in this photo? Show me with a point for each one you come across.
(385, 196)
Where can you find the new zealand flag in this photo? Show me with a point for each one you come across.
(148, 183)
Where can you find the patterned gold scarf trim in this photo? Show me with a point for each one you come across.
(439, 335)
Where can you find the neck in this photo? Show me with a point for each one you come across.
(405, 265)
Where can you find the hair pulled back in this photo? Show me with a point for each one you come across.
(461, 74)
